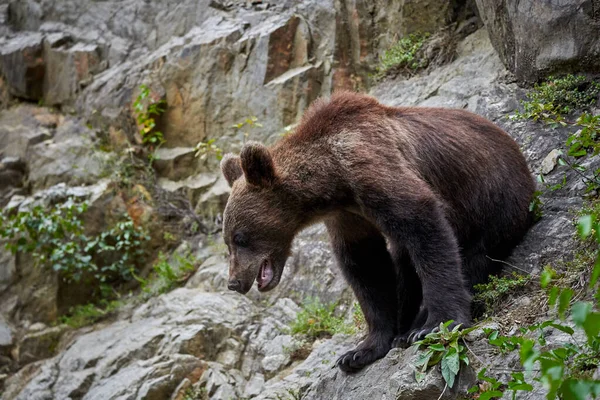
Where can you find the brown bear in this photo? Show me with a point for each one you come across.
(416, 201)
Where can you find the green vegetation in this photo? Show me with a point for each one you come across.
(147, 107)
(404, 55)
(564, 370)
(535, 206)
(586, 138)
(552, 100)
(167, 276)
(442, 347)
(88, 314)
(55, 238)
(205, 149)
(243, 128)
(192, 393)
(317, 320)
(208, 148)
(492, 293)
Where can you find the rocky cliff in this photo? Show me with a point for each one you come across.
(71, 72)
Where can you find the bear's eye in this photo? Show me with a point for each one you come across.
(240, 240)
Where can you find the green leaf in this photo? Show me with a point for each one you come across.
(584, 225)
(563, 328)
(580, 312)
(564, 299)
(546, 277)
(490, 395)
(450, 367)
(595, 272)
(437, 347)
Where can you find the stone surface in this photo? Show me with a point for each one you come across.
(549, 162)
(22, 63)
(6, 337)
(217, 63)
(39, 345)
(51, 148)
(535, 38)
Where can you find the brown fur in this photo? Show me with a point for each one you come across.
(415, 201)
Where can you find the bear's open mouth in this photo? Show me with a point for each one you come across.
(265, 274)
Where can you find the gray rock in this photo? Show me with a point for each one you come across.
(6, 337)
(146, 357)
(176, 163)
(25, 15)
(39, 345)
(191, 187)
(20, 130)
(535, 38)
(22, 63)
(212, 202)
(7, 268)
(68, 67)
(549, 162)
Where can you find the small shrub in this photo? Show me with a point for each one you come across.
(205, 149)
(566, 369)
(490, 294)
(147, 108)
(88, 314)
(244, 127)
(402, 55)
(317, 320)
(56, 240)
(442, 347)
(550, 101)
(193, 393)
(586, 138)
(167, 276)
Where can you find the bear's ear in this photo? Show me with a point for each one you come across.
(257, 164)
(231, 166)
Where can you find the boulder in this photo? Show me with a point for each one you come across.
(149, 356)
(38, 345)
(50, 147)
(176, 163)
(69, 66)
(535, 38)
(22, 64)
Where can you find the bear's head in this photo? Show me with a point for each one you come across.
(260, 219)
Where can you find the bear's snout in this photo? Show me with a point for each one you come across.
(235, 285)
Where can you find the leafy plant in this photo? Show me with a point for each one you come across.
(205, 149)
(442, 347)
(88, 314)
(55, 238)
(147, 107)
(565, 369)
(536, 204)
(317, 320)
(403, 55)
(586, 138)
(246, 125)
(550, 101)
(167, 276)
(490, 294)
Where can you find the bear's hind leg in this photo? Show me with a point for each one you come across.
(362, 255)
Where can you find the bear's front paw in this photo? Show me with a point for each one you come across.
(414, 335)
(359, 358)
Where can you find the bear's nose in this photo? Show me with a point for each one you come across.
(235, 285)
